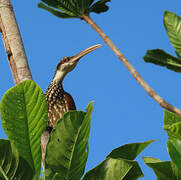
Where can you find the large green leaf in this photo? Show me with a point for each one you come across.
(160, 57)
(58, 5)
(172, 24)
(67, 150)
(171, 118)
(174, 130)
(164, 170)
(11, 165)
(119, 164)
(172, 124)
(24, 116)
(73, 8)
(129, 151)
(174, 150)
(55, 12)
(115, 169)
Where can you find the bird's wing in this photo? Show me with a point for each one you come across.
(68, 101)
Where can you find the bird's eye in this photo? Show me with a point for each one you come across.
(65, 59)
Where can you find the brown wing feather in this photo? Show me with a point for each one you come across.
(57, 109)
(68, 102)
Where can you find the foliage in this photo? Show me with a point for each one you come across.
(73, 8)
(172, 124)
(169, 169)
(24, 117)
(12, 166)
(172, 23)
(119, 164)
(160, 57)
(164, 170)
(69, 145)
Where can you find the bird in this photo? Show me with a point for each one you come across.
(58, 100)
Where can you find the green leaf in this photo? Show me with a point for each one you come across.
(99, 7)
(73, 8)
(172, 124)
(160, 57)
(55, 12)
(115, 169)
(174, 150)
(174, 130)
(67, 150)
(11, 165)
(81, 4)
(171, 118)
(172, 24)
(88, 3)
(129, 151)
(58, 5)
(164, 170)
(64, 8)
(119, 164)
(24, 116)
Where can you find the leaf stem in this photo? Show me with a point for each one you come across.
(130, 68)
(13, 43)
(3, 173)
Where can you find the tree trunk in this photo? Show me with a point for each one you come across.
(13, 43)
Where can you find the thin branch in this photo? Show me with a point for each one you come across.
(13, 43)
(131, 69)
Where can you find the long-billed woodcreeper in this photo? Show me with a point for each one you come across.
(58, 100)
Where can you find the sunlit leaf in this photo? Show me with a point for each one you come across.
(172, 124)
(115, 169)
(67, 150)
(24, 116)
(172, 24)
(55, 12)
(119, 164)
(164, 170)
(129, 151)
(174, 150)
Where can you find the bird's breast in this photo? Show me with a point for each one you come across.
(59, 102)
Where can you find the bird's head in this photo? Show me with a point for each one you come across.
(67, 64)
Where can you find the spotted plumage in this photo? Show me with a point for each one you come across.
(58, 100)
(59, 103)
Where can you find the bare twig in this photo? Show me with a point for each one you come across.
(131, 69)
(13, 43)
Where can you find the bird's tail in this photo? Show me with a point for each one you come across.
(44, 141)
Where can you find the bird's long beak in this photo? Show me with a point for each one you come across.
(86, 51)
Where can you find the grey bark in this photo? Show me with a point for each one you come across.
(13, 43)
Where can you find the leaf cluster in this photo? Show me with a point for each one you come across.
(12, 166)
(172, 23)
(73, 8)
(24, 117)
(166, 170)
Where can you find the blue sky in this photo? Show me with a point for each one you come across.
(123, 112)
